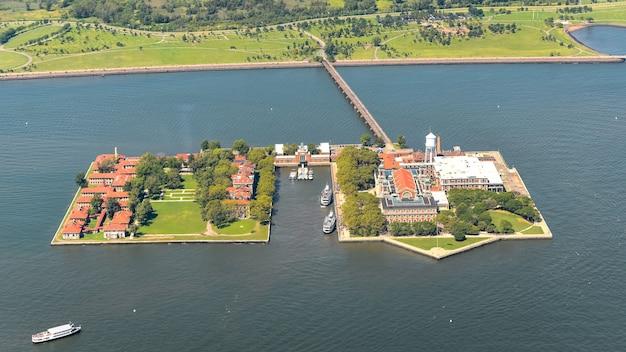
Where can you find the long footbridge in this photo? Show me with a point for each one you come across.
(358, 105)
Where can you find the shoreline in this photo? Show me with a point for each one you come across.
(307, 64)
(569, 30)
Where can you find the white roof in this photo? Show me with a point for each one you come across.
(458, 167)
(324, 148)
(440, 197)
(279, 149)
(59, 328)
(431, 135)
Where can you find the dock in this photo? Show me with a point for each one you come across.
(358, 105)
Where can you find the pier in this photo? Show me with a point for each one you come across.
(357, 104)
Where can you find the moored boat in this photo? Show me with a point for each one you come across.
(56, 332)
(327, 196)
(330, 222)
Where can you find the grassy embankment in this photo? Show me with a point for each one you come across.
(447, 243)
(518, 223)
(533, 36)
(106, 47)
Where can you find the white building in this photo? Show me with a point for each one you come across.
(467, 172)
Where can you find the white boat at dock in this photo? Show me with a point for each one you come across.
(56, 332)
(330, 221)
(327, 196)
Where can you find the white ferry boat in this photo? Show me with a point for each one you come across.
(329, 223)
(310, 174)
(56, 332)
(327, 196)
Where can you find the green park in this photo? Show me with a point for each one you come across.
(66, 37)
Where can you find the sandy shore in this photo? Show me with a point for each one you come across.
(304, 64)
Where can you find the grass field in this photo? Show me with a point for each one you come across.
(448, 243)
(239, 227)
(534, 230)
(189, 182)
(519, 223)
(91, 46)
(9, 60)
(32, 34)
(175, 218)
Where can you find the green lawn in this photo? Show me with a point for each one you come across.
(32, 34)
(175, 218)
(518, 222)
(9, 60)
(96, 236)
(89, 48)
(189, 182)
(239, 227)
(535, 230)
(448, 243)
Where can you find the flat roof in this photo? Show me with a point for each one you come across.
(463, 167)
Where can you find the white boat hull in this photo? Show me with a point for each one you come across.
(46, 336)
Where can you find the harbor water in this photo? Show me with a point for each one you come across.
(562, 126)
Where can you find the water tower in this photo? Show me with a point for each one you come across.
(429, 151)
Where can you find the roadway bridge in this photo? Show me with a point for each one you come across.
(358, 105)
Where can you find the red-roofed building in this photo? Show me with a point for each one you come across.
(120, 181)
(72, 231)
(84, 200)
(404, 184)
(101, 190)
(239, 193)
(122, 217)
(100, 179)
(114, 231)
(79, 215)
(117, 195)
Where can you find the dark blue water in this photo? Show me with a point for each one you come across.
(562, 126)
(605, 39)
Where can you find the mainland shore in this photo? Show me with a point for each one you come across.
(307, 64)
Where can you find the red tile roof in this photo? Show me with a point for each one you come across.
(73, 228)
(405, 184)
(121, 180)
(183, 156)
(122, 217)
(114, 227)
(96, 190)
(84, 199)
(101, 175)
(116, 195)
(80, 214)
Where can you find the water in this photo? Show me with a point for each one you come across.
(605, 39)
(562, 126)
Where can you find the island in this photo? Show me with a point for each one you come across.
(215, 195)
(433, 201)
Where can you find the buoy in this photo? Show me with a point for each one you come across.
(450, 320)
(134, 310)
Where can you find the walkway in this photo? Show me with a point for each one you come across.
(358, 104)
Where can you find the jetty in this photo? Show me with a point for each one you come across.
(358, 105)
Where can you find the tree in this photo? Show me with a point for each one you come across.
(257, 154)
(366, 139)
(209, 145)
(506, 227)
(113, 206)
(107, 165)
(173, 179)
(241, 146)
(401, 141)
(96, 203)
(260, 208)
(143, 212)
(362, 215)
(376, 41)
(80, 180)
(218, 213)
